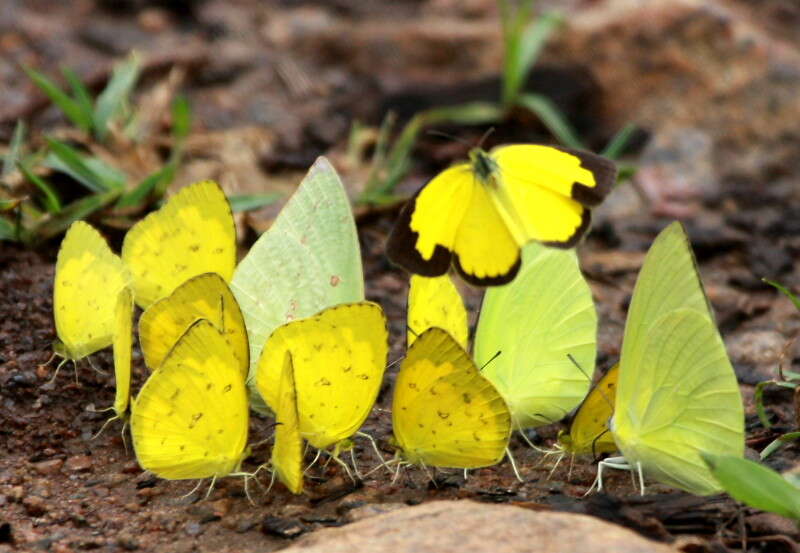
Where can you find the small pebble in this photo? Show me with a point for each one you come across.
(34, 505)
(281, 527)
(49, 467)
(78, 463)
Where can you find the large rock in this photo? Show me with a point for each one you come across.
(469, 527)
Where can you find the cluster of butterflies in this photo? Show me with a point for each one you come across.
(288, 333)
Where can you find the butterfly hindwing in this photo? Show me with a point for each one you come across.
(205, 296)
(287, 454)
(588, 431)
(444, 413)
(435, 302)
(123, 341)
(193, 233)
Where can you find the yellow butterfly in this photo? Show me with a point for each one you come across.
(205, 296)
(588, 432)
(444, 413)
(190, 418)
(435, 302)
(89, 279)
(339, 356)
(287, 454)
(193, 233)
(477, 215)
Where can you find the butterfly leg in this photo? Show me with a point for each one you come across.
(319, 452)
(109, 421)
(58, 368)
(375, 449)
(199, 483)
(555, 466)
(466, 474)
(571, 466)
(94, 368)
(344, 465)
(530, 443)
(619, 463)
(513, 464)
(211, 486)
(641, 476)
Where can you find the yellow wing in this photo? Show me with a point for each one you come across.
(436, 302)
(444, 412)
(479, 214)
(339, 356)
(89, 277)
(543, 193)
(589, 432)
(287, 454)
(193, 233)
(206, 296)
(123, 341)
(190, 418)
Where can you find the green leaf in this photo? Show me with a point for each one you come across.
(619, 142)
(71, 108)
(249, 202)
(9, 204)
(79, 92)
(785, 291)
(51, 201)
(779, 442)
(75, 211)
(755, 485)
(93, 174)
(552, 118)
(14, 148)
(115, 95)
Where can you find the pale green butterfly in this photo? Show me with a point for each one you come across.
(677, 395)
(545, 315)
(308, 260)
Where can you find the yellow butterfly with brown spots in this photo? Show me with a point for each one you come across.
(190, 417)
(193, 233)
(338, 356)
(287, 453)
(477, 215)
(444, 413)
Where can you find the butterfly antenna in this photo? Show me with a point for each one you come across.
(395, 362)
(434, 132)
(412, 331)
(578, 366)
(495, 356)
(513, 464)
(529, 442)
(485, 135)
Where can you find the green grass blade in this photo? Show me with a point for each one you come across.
(80, 93)
(71, 108)
(755, 485)
(14, 148)
(759, 400)
(619, 142)
(115, 95)
(785, 291)
(50, 197)
(9, 204)
(67, 159)
(249, 202)
(145, 189)
(181, 119)
(779, 442)
(75, 211)
(8, 230)
(534, 37)
(548, 113)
